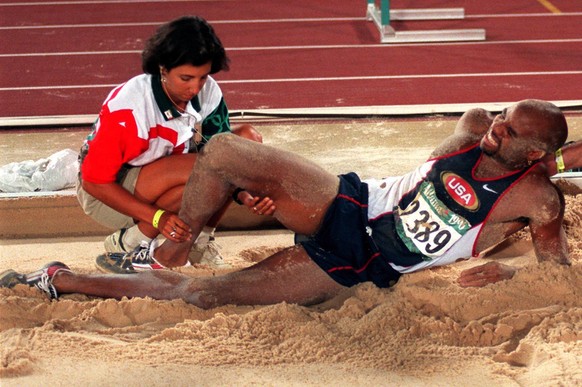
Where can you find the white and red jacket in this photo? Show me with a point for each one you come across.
(138, 124)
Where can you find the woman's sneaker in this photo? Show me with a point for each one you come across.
(114, 243)
(208, 254)
(139, 259)
(42, 279)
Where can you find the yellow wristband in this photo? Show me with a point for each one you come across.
(157, 216)
(560, 161)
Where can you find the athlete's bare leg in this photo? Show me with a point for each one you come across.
(162, 182)
(289, 275)
(301, 190)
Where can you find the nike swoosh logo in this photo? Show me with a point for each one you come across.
(486, 188)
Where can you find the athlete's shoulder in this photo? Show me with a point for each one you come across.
(537, 183)
(531, 193)
(455, 144)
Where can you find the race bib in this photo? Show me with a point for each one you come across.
(427, 226)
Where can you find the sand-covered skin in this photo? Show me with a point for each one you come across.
(426, 331)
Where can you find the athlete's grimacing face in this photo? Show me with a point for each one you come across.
(185, 82)
(514, 133)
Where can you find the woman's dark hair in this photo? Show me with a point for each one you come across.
(187, 40)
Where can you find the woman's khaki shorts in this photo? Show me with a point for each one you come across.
(104, 214)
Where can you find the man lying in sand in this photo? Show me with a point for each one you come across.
(481, 185)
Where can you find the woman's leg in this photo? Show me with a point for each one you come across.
(162, 183)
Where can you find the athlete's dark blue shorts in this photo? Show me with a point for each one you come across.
(342, 246)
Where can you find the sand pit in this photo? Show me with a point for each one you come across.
(426, 331)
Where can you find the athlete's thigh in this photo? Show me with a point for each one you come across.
(301, 189)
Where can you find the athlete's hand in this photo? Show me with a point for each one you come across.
(488, 273)
(174, 228)
(264, 206)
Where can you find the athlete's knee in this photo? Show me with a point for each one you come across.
(202, 300)
(220, 150)
(218, 145)
(198, 291)
(248, 131)
(168, 284)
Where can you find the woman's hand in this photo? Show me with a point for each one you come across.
(264, 206)
(488, 273)
(174, 228)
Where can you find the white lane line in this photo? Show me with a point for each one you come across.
(522, 15)
(316, 47)
(326, 79)
(266, 21)
(62, 26)
(157, 23)
(71, 53)
(39, 3)
(411, 76)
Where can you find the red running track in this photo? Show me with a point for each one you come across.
(62, 58)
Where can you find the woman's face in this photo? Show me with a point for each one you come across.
(184, 82)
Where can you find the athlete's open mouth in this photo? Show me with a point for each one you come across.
(491, 139)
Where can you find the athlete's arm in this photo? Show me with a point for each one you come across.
(470, 128)
(488, 273)
(475, 121)
(571, 155)
(548, 236)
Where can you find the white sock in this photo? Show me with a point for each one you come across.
(133, 237)
(153, 246)
(204, 236)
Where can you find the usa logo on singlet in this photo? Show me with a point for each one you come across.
(460, 191)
